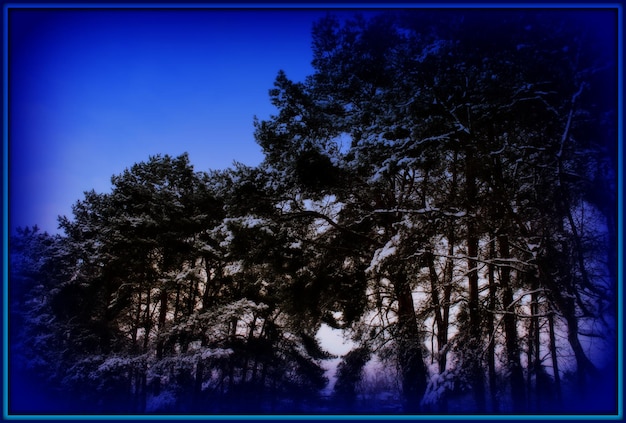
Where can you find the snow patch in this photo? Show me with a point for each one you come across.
(382, 254)
(162, 402)
(437, 386)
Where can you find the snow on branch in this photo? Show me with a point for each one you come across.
(381, 254)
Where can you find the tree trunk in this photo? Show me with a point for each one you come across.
(475, 366)
(534, 359)
(192, 296)
(565, 303)
(518, 391)
(555, 362)
(447, 293)
(162, 318)
(491, 348)
(147, 322)
(137, 320)
(177, 303)
(409, 346)
(436, 304)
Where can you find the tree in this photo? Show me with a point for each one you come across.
(39, 263)
(500, 108)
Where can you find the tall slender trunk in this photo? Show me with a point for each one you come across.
(177, 303)
(436, 304)
(442, 312)
(192, 296)
(518, 391)
(137, 320)
(162, 318)
(447, 293)
(409, 347)
(491, 348)
(147, 326)
(534, 358)
(211, 287)
(448, 272)
(475, 366)
(156, 384)
(147, 322)
(555, 362)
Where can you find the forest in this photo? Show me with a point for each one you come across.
(442, 191)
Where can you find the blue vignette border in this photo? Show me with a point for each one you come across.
(6, 7)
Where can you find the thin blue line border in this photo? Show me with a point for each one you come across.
(299, 6)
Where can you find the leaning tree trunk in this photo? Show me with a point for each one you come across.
(565, 304)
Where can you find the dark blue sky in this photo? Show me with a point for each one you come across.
(93, 91)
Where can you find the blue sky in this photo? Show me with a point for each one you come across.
(93, 91)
